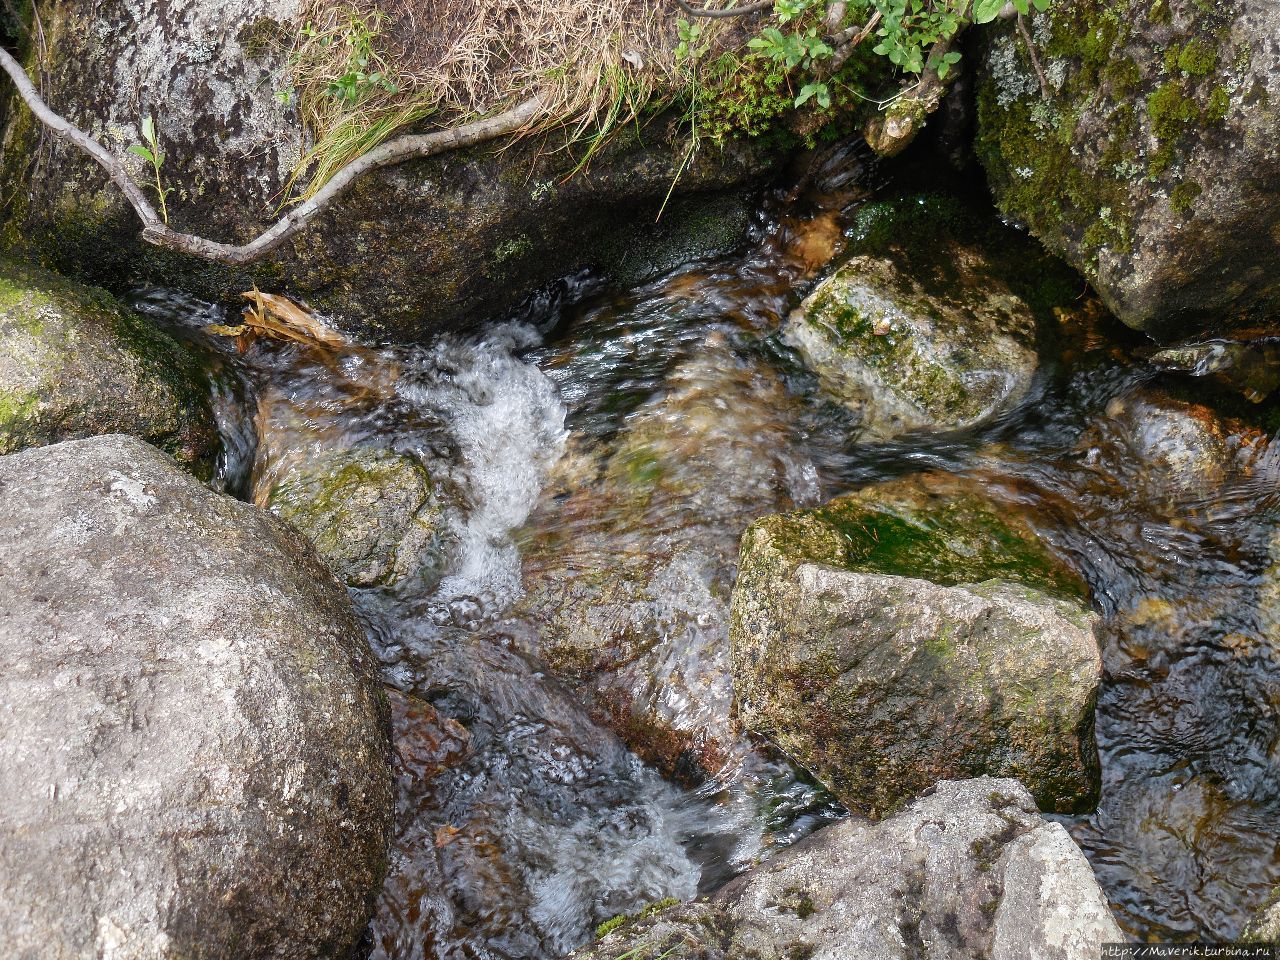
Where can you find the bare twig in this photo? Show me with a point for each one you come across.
(155, 231)
(731, 12)
(851, 37)
(1035, 61)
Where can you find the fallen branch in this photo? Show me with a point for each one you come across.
(731, 12)
(154, 229)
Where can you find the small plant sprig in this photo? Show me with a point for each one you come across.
(364, 71)
(152, 153)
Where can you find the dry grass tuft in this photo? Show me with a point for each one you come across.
(595, 63)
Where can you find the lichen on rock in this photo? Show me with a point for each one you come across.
(968, 871)
(1153, 166)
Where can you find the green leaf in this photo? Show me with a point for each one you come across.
(1041, 5)
(1022, 6)
(142, 152)
(149, 130)
(984, 11)
(816, 91)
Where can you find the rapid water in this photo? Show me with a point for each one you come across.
(604, 438)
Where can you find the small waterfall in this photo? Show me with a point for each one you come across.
(507, 420)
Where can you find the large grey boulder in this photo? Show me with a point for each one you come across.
(75, 362)
(915, 631)
(904, 356)
(196, 758)
(1153, 163)
(971, 871)
(411, 249)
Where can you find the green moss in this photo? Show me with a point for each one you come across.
(1036, 167)
(513, 247)
(610, 925)
(263, 36)
(1218, 106)
(1169, 109)
(1184, 196)
(948, 542)
(1197, 57)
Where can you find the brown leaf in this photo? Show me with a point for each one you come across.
(280, 317)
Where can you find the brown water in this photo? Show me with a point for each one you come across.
(524, 822)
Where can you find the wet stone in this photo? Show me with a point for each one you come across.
(915, 631)
(905, 357)
(629, 577)
(371, 514)
(970, 871)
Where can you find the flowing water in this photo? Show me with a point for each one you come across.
(603, 451)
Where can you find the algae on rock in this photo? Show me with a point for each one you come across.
(75, 362)
(371, 514)
(914, 631)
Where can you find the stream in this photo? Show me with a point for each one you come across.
(523, 821)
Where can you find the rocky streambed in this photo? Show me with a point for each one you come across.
(867, 586)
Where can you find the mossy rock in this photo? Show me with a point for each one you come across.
(910, 352)
(1153, 166)
(75, 362)
(371, 514)
(915, 631)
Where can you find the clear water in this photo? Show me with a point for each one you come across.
(523, 822)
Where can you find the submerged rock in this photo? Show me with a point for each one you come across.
(1185, 452)
(914, 631)
(633, 604)
(371, 514)
(1152, 162)
(429, 244)
(196, 755)
(970, 871)
(906, 357)
(75, 362)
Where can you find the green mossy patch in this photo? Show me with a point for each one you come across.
(924, 528)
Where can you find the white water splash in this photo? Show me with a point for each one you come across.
(509, 425)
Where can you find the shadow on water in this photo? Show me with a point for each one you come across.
(523, 822)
